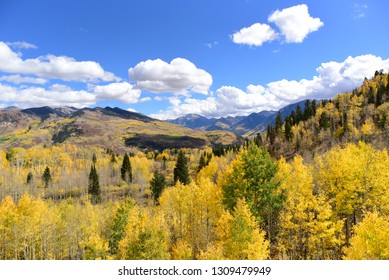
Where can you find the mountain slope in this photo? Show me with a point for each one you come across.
(350, 117)
(112, 128)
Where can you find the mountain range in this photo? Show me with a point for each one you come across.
(242, 125)
(110, 128)
(119, 129)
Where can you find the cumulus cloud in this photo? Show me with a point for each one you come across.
(38, 96)
(17, 79)
(295, 23)
(52, 67)
(63, 95)
(255, 35)
(123, 92)
(21, 45)
(333, 77)
(180, 76)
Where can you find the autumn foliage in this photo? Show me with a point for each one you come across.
(316, 189)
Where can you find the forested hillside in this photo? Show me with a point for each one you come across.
(314, 186)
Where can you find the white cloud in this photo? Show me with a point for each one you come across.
(145, 99)
(53, 67)
(174, 101)
(123, 92)
(180, 76)
(21, 45)
(17, 79)
(63, 95)
(37, 96)
(212, 45)
(359, 11)
(255, 35)
(295, 23)
(132, 110)
(333, 77)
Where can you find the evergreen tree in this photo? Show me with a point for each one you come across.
(324, 121)
(113, 158)
(307, 110)
(258, 140)
(181, 171)
(292, 117)
(299, 114)
(202, 163)
(30, 178)
(313, 107)
(94, 159)
(164, 159)
(288, 130)
(278, 125)
(126, 169)
(157, 185)
(94, 186)
(271, 135)
(46, 177)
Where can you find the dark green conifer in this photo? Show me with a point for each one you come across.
(46, 177)
(288, 130)
(94, 186)
(278, 124)
(157, 185)
(181, 171)
(126, 169)
(30, 178)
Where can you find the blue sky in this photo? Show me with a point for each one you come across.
(170, 58)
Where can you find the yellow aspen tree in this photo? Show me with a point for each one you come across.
(8, 223)
(96, 248)
(146, 237)
(192, 212)
(370, 240)
(214, 251)
(354, 179)
(306, 227)
(181, 251)
(240, 235)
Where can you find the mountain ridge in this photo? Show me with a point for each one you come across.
(112, 128)
(242, 125)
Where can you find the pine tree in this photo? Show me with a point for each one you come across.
(94, 159)
(258, 140)
(157, 185)
(324, 121)
(46, 177)
(202, 163)
(113, 158)
(30, 178)
(278, 125)
(94, 186)
(288, 130)
(126, 169)
(299, 114)
(181, 171)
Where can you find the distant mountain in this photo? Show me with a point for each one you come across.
(255, 121)
(112, 128)
(241, 125)
(45, 111)
(193, 121)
